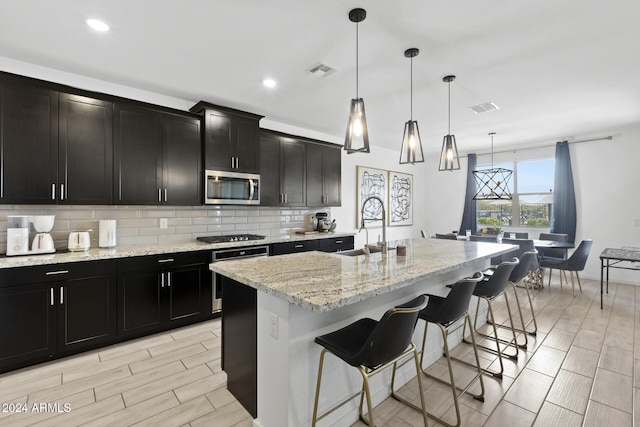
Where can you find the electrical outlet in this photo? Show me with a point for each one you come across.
(164, 222)
(273, 325)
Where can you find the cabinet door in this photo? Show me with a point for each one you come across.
(332, 175)
(217, 141)
(85, 157)
(270, 194)
(182, 168)
(315, 175)
(185, 290)
(137, 155)
(27, 324)
(139, 302)
(28, 144)
(293, 181)
(86, 312)
(247, 145)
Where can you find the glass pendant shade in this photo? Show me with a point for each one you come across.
(357, 138)
(411, 151)
(492, 184)
(449, 160)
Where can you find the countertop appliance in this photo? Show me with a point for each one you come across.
(231, 254)
(107, 233)
(42, 242)
(17, 235)
(231, 188)
(230, 238)
(79, 241)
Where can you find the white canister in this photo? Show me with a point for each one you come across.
(107, 233)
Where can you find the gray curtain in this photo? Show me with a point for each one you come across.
(470, 207)
(563, 219)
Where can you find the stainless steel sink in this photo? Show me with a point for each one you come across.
(358, 252)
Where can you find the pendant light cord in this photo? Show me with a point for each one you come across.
(491, 151)
(411, 96)
(357, 43)
(449, 107)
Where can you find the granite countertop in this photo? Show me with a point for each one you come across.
(142, 250)
(325, 281)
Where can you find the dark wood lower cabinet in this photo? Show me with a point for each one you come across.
(51, 311)
(239, 343)
(162, 292)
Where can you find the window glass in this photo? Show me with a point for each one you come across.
(531, 186)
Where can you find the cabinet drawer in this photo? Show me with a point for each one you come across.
(55, 272)
(293, 247)
(336, 244)
(155, 262)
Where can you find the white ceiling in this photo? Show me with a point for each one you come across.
(557, 69)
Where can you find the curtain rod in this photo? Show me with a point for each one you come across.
(547, 145)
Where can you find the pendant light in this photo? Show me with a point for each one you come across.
(492, 184)
(357, 138)
(449, 160)
(411, 150)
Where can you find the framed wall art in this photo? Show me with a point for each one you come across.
(400, 206)
(371, 182)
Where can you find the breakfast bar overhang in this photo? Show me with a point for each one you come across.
(274, 308)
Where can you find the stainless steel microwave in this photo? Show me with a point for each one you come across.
(231, 188)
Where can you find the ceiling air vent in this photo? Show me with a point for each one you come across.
(322, 70)
(483, 108)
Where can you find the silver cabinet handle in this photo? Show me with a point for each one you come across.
(298, 246)
(162, 280)
(61, 191)
(232, 162)
(169, 280)
(338, 242)
(285, 197)
(166, 260)
(50, 273)
(159, 194)
(61, 295)
(165, 194)
(53, 191)
(237, 163)
(51, 296)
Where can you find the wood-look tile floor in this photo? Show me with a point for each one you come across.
(583, 368)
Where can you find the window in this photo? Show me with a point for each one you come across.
(532, 197)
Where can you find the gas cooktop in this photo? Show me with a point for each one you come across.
(230, 238)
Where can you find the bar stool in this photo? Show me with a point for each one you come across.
(371, 346)
(489, 289)
(528, 261)
(446, 312)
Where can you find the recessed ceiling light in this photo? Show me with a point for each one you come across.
(269, 82)
(97, 25)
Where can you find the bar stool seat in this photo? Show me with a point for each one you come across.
(370, 346)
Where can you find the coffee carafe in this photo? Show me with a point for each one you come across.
(17, 235)
(42, 242)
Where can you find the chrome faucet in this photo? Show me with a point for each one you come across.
(383, 244)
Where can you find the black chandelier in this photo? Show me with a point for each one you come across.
(492, 184)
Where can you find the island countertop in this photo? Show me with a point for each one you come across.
(323, 282)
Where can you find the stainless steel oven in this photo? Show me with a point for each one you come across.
(231, 188)
(231, 254)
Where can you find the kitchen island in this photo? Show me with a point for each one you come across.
(275, 307)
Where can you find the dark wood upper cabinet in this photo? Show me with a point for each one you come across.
(85, 155)
(324, 165)
(137, 156)
(157, 157)
(231, 141)
(282, 170)
(28, 144)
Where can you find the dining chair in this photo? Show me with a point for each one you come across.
(575, 263)
(553, 253)
(370, 346)
(490, 239)
(447, 236)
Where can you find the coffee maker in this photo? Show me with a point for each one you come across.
(323, 222)
(17, 235)
(42, 242)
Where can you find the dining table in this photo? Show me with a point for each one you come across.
(624, 258)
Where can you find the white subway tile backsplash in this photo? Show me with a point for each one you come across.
(141, 224)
